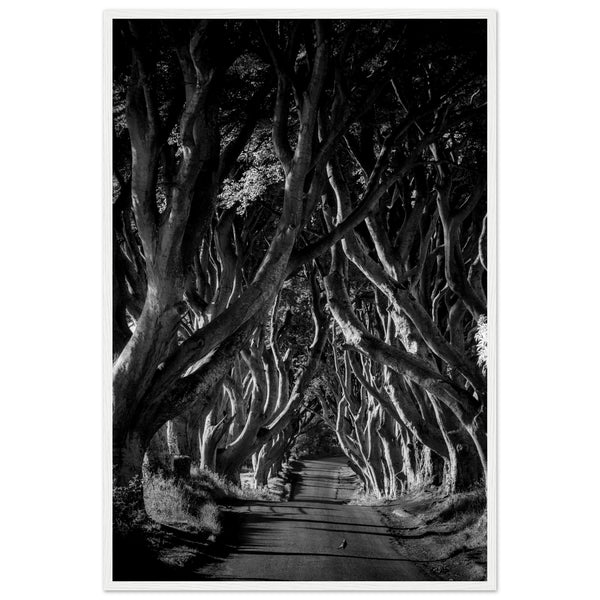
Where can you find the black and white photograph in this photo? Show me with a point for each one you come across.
(299, 300)
(300, 319)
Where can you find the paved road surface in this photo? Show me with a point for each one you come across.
(298, 540)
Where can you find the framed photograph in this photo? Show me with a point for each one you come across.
(300, 315)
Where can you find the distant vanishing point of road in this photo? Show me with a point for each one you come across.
(298, 540)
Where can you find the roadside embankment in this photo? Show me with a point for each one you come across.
(447, 536)
(182, 522)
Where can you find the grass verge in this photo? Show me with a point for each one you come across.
(181, 522)
(446, 535)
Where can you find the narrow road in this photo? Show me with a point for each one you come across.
(298, 540)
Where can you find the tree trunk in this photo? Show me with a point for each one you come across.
(158, 455)
(128, 457)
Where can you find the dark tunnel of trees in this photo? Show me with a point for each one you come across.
(299, 247)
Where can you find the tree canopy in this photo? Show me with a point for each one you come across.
(299, 242)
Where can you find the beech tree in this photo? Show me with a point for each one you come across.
(152, 382)
(252, 155)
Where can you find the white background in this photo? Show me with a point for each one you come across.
(50, 252)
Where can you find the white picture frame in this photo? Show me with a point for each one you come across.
(490, 583)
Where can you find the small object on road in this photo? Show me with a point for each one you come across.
(343, 544)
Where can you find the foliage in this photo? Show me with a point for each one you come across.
(471, 503)
(222, 489)
(362, 498)
(177, 502)
(258, 178)
(320, 440)
(128, 507)
(481, 339)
